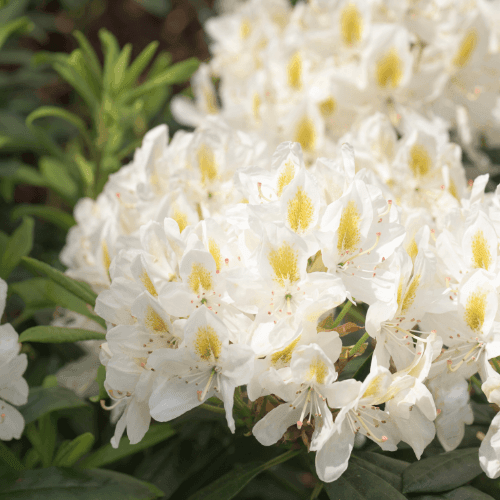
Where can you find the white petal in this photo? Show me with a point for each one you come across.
(272, 427)
(12, 425)
(489, 451)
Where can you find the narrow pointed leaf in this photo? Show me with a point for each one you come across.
(74, 450)
(442, 472)
(56, 216)
(58, 335)
(89, 54)
(107, 454)
(139, 65)
(63, 483)
(81, 290)
(43, 400)
(19, 245)
(231, 484)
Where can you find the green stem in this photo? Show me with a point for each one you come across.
(262, 409)
(358, 344)
(282, 458)
(317, 490)
(357, 315)
(9, 458)
(240, 403)
(476, 382)
(342, 314)
(214, 409)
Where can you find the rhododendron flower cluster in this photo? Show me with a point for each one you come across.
(217, 262)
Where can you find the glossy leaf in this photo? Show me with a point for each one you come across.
(81, 290)
(107, 454)
(58, 335)
(71, 452)
(18, 246)
(229, 485)
(359, 483)
(56, 216)
(70, 484)
(43, 400)
(442, 472)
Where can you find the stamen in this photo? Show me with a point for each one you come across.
(301, 420)
(261, 194)
(104, 407)
(202, 395)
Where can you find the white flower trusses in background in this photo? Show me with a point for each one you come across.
(13, 387)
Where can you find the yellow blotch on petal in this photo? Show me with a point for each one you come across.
(106, 259)
(466, 49)
(412, 249)
(294, 71)
(411, 291)
(348, 232)
(475, 310)
(148, 284)
(154, 321)
(181, 219)
(285, 177)
(453, 190)
(245, 29)
(400, 291)
(211, 101)
(420, 161)
(214, 249)
(328, 107)
(207, 343)
(389, 69)
(481, 256)
(317, 370)
(200, 277)
(284, 356)
(374, 387)
(207, 164)
(305, 134)
(284, 264)
(256, 102)
(351, 24)
(300, 211)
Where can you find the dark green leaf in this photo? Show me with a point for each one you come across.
(12, 10)
(68, 454)
(81, 290)
(69, 484)
(384, 473)
(442, 472)
(385, 461)
(56, 216)
(18, 246)
(229, 485)
(58, 335)
(46, 400)
(467, 493)
(100, 378)
(107, 454)
(358, 483)
(158, 8)
(22, 25)
(20, 173)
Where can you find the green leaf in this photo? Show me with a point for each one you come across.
(22, 24)
(229, 485)
(56, 216)
(81, 290)
(359, 483)
(89, 54)
(12, 10)
(69, 484)
(68, 454)
(58, 335)
(158, 8)
(18, 246)
(58, 178)
(177, 73)
(111, 49)
(55, 112)
(87, 80)
(9, 458)
(100, 378)
(385, 473)
(139, 65)
(467, 493)
(20, 173)
(442, 472)
(385, 461)
(43, 400)
(107, 454)
(86, 169)
(120, 68)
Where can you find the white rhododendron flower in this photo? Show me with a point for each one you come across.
(13, 387)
